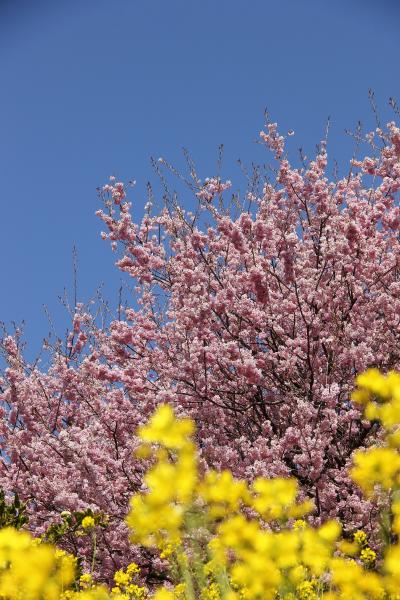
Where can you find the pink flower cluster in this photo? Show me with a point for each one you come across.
(211, 188)
(255, 327)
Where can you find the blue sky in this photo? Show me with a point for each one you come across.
(92, 88)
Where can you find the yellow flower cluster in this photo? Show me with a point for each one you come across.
(157, 517)
(380, 397)
(30, 570)
(88, 523)
(224, 539)
(360, 537)
(126, 588)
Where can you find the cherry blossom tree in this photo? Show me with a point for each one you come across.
(254, 324)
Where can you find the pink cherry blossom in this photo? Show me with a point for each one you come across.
(254, 325)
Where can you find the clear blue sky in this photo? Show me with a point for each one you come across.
(91, 88)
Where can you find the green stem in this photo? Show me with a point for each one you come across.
(94, 551)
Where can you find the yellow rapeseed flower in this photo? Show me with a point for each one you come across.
(164, 428)
(31, 571)
(376, 466)
(360, 537)
(274, 496)
(368, 557)
(88, 522)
